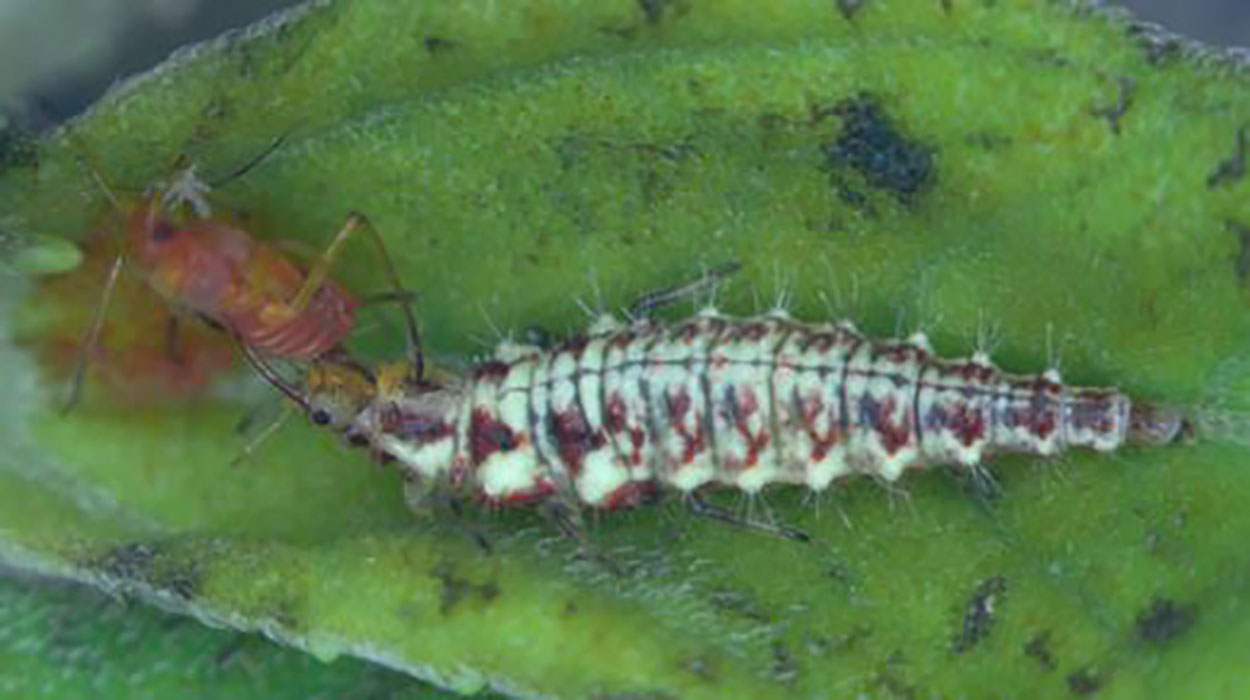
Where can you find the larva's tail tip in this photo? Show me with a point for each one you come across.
(1152, 424)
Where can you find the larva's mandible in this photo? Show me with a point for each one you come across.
(610, 416)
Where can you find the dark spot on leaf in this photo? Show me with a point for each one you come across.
(849, 642)
(656, 11)
(1123, 101)
(150, 564)
(873, 148)
(784, 668)
(1242, 264)
(1164, 621)
(456, 589)
(739, 604)
(1084, 682)
(848, 8)
(1233, 168)
(700, 667)
(948, 6)
(890, 679)
(979, 614)
(1039, 648)
(436, 45)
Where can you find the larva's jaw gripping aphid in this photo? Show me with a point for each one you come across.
(606, 418)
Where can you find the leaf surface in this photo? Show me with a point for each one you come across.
(1032, 173)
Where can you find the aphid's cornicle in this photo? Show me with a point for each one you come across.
(607, 418)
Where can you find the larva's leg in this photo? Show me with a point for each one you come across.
(568, 519)
(651, 301)
(982, 482)
(703, 509)
(426, 498)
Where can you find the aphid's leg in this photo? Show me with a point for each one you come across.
(651, 301)
(703, 509)
(92, 336)
(254, 444)
(320, 273)
(173, 348)
(428, 498)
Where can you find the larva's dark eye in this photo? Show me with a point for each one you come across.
(162, 231)
(320, 416)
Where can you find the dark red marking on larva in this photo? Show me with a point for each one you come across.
(488, 436)
(894, 436)
(966, 423)
(576, 345)
(808, 410)
(574, 438)
(742, 404)
(678, 406)
(491, 371)
(631, 495)
(414, 426)
(543, 490)
(617, 415)
(1091, 409)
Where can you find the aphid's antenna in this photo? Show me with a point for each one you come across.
(249, 165)
(269, 374)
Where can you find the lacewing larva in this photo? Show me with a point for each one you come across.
(610, 417)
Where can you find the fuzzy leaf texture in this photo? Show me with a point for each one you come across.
(1043, 177)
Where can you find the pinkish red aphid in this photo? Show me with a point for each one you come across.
(221, 273)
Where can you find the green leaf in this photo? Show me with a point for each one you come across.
(58, 640)
(1039, 173)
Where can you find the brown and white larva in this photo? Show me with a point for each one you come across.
(611, 416)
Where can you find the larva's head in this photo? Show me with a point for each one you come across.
(335, 393)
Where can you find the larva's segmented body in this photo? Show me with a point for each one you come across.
(608, 417)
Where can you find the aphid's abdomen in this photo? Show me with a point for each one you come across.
(305, 335)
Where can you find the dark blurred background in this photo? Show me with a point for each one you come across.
(57, 56)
